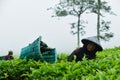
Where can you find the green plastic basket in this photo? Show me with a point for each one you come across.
(32, 51)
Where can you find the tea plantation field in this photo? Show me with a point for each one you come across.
(105, 67)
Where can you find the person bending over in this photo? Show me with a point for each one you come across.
(90, 46)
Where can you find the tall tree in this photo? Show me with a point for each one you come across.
(103, 26)
(74, 8)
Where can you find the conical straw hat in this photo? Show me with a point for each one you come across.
(94, 40)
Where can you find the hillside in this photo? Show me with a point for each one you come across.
(105, 67)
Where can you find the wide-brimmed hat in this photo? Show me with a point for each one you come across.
(94, 40)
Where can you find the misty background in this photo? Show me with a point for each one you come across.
(22, 21)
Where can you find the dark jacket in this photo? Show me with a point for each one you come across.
(7, 57)
(80, 53)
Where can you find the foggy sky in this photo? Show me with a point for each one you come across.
(22, 21)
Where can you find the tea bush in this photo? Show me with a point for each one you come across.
(105, 67)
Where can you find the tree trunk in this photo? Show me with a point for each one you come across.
(98, 21)
(78, 32)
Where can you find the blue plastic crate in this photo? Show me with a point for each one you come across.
(33, 51)
(2, 58)
(50, 56)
